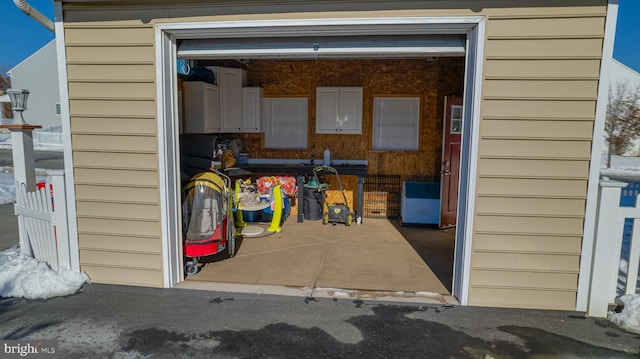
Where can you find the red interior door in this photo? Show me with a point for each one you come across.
(450, 167)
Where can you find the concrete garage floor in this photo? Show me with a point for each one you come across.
(377, 260)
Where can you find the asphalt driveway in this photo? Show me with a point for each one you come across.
(105, 321)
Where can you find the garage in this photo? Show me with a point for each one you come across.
(525, 102)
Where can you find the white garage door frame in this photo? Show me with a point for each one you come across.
(166, 35)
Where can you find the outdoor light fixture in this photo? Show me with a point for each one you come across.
(18, 101)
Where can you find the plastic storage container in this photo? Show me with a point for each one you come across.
(420, 203)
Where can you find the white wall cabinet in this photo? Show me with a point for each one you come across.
(339, 110)
(230, 83)
(251, 109)
(201, 110)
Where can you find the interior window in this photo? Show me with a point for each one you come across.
(396, 123)
(286, 122)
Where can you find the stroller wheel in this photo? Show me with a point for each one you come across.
(349, 220)
(191, 268)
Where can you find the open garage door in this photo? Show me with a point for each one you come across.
(316, 47)
(352, 38)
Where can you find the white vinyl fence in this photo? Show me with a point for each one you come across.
(605, 268)
(42, 221)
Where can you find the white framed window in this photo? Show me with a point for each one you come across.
(396, 123)
(286, 122)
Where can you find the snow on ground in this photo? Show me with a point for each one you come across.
(629, 318)
(25, 277)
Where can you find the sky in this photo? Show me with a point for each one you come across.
(15, 49)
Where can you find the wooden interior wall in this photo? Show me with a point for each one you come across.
(429, 79)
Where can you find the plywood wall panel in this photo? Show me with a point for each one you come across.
(429, 80)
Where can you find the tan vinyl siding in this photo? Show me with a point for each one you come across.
(109, 161)
(114, 126)
(116, 177)
(531, 279)
(535, 149)
(519, 243)
(117, 72)
(119, 210)
(514, 128)
(123, 275)
(111, 72)
(532, 206)
(534, 48)
(568, 89)
(114, 143)
(90, 90)
(117, 194)
(534, 298)
(518, 188)
(547, 68)
(540, 78)
(113, 54)
(540, 90)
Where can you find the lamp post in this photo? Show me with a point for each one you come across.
(18, 101)
(24, 171)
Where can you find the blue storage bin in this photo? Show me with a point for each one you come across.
(420, 202)
(251, 216)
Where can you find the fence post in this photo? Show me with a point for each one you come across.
(604, 260)
(634, 255)
(60, 219)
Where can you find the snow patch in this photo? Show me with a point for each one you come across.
(25, 277)
(629, 318)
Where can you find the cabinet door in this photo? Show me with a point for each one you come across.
(339, 110)
(200, 107)
(327, 107)
(251, 107)
(230, 81)
(211, 121)
(350, 117)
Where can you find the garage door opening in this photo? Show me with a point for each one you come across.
(280, 70)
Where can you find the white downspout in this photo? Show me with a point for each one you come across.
(34, 14)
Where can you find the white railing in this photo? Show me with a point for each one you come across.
(607, 248)
(42, 217)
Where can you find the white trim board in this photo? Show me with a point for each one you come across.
(588, 232)
(72, 223)
(471, 26)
